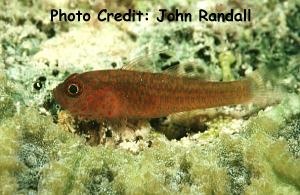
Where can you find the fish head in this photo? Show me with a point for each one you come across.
(70, 94)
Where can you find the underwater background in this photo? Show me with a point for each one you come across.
(243, 149)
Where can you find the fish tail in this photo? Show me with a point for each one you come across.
(261, 94)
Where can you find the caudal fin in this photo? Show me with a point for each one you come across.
(261, 94)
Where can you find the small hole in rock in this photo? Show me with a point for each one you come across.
(189, 69)
(108, 133)
(42, 78)
(55, 72)
(37, 85)
(114, 64)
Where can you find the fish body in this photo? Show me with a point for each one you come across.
(119, 94)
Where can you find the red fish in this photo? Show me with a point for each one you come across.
(127, 94)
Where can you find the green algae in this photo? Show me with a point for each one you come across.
(233, 164)
(39, 156)
(7, 107)
(226, 59)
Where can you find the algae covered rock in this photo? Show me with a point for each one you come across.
(244, 149)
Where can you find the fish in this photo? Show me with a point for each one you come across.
(130, 94)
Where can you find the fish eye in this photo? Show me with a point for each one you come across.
(74, 89)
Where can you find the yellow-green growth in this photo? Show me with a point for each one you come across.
(226, 59)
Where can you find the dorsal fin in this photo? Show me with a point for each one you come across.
(179, 68)
(143, 62)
